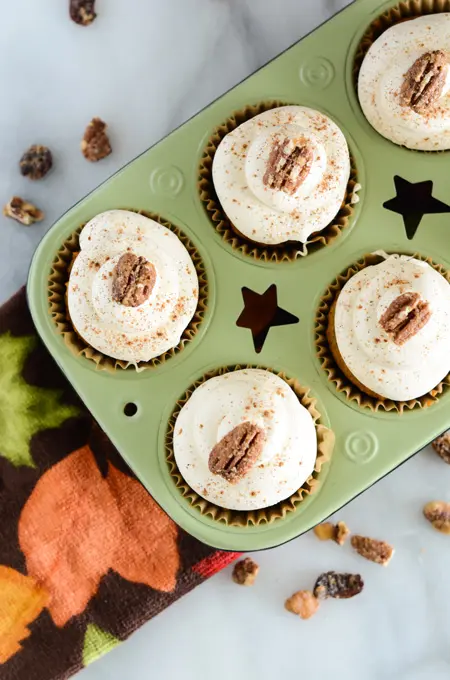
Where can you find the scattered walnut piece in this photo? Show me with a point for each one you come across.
(442, 446)
(405, 316)
(36, 162)
(96, 144)
(342, 533)
(22, 211)
(303, 603)
(332, 532)
(133, 280)
(82, 12)
(245, 572)
(340, 586)
(438, 513)
(237, 452)
(373, 550)
(424, 81)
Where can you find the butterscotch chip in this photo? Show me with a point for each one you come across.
(332, 532)
(245, 572)
(325, 531)
(96, 144)
(373, 550)
(442, 446)
(438, 513)
(303, 603)
(22, 211)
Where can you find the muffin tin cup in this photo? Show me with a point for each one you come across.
(370, 439)
(285, 252)
(403, 11)
(57, 296)
(334, 366)
(235, 518)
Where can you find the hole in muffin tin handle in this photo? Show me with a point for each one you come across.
(130, 409)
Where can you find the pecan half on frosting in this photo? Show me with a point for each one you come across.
(288, 165)
(237, 452)
(424, 81)
(133, 280)
(405, 316)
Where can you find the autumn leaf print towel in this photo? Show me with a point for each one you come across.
(86, 555)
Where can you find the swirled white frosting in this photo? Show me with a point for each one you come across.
(398, 372)
(271, 216)
(216, 408)
(140, 333)
(382, 74)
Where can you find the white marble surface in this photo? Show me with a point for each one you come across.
(145, 66)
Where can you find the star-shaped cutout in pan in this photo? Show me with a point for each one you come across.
(413, 201)
(261, 312)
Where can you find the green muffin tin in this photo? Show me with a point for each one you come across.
(315, 72)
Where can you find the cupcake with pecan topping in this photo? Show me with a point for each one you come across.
(404, 83)
(133, 287)
(244, 441)
(282, 175)
(389, 329)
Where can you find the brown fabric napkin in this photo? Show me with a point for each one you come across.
(86, 555)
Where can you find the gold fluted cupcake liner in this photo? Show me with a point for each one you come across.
(285, 252)
(325, 445)
(58, 308)
(402, 11)
(334, 366)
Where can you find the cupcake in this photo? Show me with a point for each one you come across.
(133, 288)
(282, 175)
(389, 329)
(404, 83)
(244, 441)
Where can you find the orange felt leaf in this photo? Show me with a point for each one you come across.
(148, 551)
(21, 602)
(76, 525)
(68, 532)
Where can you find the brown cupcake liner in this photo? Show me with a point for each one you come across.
(58, 308)
(237, 518)
(409, 9)
(285, 252)
(344, 382)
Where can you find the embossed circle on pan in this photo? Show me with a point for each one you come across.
(402, 11)
(317, 72)
(237, 518)
(335, 375)
(361, 447)
(58, 308)
(285, 252)
(168, 181)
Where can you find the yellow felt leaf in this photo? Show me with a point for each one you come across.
(21, 602)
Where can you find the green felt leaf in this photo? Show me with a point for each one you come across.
(96, 643)
(24, 409)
